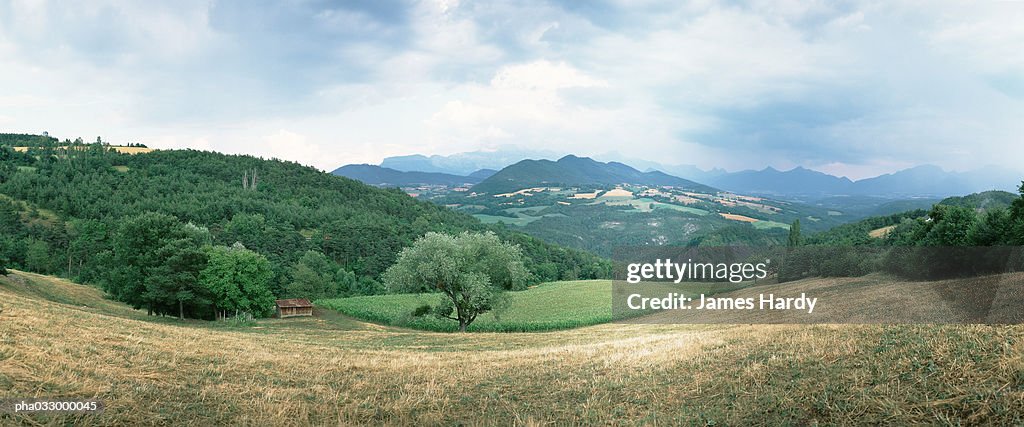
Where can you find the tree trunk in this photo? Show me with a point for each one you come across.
(181, 310)
(462, 325)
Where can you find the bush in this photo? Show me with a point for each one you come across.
(422, 310)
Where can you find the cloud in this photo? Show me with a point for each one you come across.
(858, 86)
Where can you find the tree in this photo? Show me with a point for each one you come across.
(238, 280)
(794, 235)
(471, 270)
(38, 257)
(314, 276)
(134, 257)
(950, 226)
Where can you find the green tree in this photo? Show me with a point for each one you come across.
(134, 257)
(795, 239)
(38, 257)
(176, 278)
(314, 276)
(471, 270)
(238, 280)
(950, 226)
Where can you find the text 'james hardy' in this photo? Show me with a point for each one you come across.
(678, 301)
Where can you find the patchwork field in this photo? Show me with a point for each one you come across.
(62, 339)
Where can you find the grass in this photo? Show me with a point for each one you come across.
(644, 204)
(762, 224)
(328, 371)
(494, 219)
(546, 307)
(521, 219)
(550, 306)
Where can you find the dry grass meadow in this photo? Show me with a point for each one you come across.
(62, 339)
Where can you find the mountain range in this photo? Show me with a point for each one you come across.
(382, 176)
(573, 171)
(926, 181)
(920, 181)
(465, 163)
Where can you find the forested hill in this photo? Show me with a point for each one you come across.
(572, 170)
(62, 208)
(978, 219)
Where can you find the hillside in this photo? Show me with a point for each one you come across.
(328, 370)
(571, 170)
(282, 210)
(381, 176)
(983, 201)
(872, 230)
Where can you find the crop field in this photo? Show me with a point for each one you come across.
(762, 224)
(62, 339)
(644, 204)
(550, 306)
(546, 307)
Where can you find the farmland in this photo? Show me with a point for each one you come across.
(57, 338)
(602, 218)
(549, 306)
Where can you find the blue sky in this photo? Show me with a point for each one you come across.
(852, 88)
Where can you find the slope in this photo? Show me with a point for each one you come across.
(571, 170)
(380, 176)
(280, 209)
(288, 373)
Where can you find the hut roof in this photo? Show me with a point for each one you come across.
(294, 303)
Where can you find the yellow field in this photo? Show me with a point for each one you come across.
(333, 370)
(740, 218)
(119, 149)
(618, 192)
(881, 233)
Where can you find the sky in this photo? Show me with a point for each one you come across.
(849, 88)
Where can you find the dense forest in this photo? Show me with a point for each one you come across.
(158, 220)
(960, 236)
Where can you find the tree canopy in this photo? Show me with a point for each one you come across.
(471, 270)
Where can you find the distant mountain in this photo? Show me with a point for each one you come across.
(465, 163)
(690, 172)
(797, 181)
(482, 174)
(922, 181)
(572, 170)
(930, 180)
(380, 176)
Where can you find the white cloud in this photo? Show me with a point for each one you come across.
(871, 85)
(543, 75)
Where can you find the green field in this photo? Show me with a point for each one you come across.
(520, 219)
(494, 219)
(762, 224)
(644, 204)
(550, 306)
(546, 307)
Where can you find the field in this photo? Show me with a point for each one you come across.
(61, 339)
(547, 307)
(559, 305)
